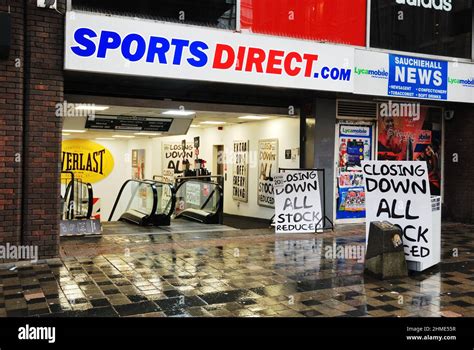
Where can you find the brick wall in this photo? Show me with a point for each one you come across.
(33, 219)
(459, 177)
(11, 116)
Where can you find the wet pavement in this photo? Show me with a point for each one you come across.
(234, 273)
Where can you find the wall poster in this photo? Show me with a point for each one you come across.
(138, 164)
(88, 160)
(240, 173)
(412, 132)
(267, 167)
(173, 155)
(355, 145)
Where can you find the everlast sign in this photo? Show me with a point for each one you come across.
(89, 161)
(93, 162)
(435, 27)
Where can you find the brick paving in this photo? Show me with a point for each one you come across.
(241, 273)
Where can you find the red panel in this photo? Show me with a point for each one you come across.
(337, 21)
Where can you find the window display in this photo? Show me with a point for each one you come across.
(355, 145)
(413, 136)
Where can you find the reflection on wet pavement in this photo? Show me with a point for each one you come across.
(235, 274)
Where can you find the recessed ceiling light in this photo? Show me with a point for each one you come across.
(178, 112)
(65, 134)
(148, 133)
(124, 136)
(76, 131)
(212, 122)
(194, 126)
(90, 107)
(254, 117)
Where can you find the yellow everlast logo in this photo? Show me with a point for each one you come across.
(89, 161)
(80, 161)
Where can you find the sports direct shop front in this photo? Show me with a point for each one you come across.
(114, 45)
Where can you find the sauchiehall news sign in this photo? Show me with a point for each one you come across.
(437, 27)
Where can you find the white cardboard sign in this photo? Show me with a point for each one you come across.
(297, 202)
(399, 192)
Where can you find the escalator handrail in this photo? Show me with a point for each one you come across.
(90, 206)
(69, 213)
(172, 204)
(67, 203)
(147, 182)
(217, 185)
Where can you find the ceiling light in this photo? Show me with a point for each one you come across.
(76, 131)
(148, 133)
(194, 126)
(124, 136)
(65, 134)
(254, 117)
(211, 122)
(90, 107)
(178, 112)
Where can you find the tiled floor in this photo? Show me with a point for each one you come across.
(235, 274)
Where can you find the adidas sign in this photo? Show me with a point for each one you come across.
(441, 5)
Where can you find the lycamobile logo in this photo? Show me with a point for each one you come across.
(465, 82)
(379, 73)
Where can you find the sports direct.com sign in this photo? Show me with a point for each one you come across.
(140, 47)
(117, 45)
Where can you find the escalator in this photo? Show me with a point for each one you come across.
(78, 198)
(156, 203)
(199, 199)
(144, 203)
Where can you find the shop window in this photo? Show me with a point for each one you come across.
(210, 13)
(342, 21)
(434, 27)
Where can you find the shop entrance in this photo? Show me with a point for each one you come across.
(162, 166)
(355, 142)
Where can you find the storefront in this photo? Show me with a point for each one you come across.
(327, 104)
(384, 130)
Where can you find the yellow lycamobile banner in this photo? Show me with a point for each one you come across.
(89, 161)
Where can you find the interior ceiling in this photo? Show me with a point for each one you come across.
(230, 118)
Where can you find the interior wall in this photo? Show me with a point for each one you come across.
(286, 130)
